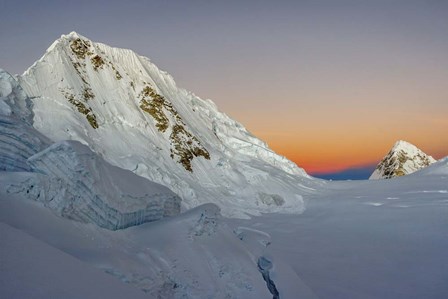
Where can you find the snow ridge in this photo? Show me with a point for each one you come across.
(404, 158)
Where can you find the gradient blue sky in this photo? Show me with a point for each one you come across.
(329, 84)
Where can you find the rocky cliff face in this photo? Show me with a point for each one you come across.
(404, 158)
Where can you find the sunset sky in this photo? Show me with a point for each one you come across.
(329, 84)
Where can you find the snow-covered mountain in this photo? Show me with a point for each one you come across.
(193, 255)
(133, 114)
(404, 158)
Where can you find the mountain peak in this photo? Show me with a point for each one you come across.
(72, 35)
(402, 144)
(404, 158)
(134, 115)
(65, 37)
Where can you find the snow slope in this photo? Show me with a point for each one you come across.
(368, 239)
(359, 239)
(439, 167)
(193, 255)
(134, 115)
(34, 269)
(404, 158)
(68, 177)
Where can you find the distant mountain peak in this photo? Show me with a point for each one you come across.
(73, 34)
(402, 144)
(404, 158)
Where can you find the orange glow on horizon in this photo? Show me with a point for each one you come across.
(330, 155)
(348, 118)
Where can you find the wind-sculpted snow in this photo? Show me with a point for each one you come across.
(18, 139)
(134, 115)
(80, 185)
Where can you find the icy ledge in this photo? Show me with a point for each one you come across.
(18, 139)
(79, 185)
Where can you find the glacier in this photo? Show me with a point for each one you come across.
(356, 239)
(68, 177)
(97, 192)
